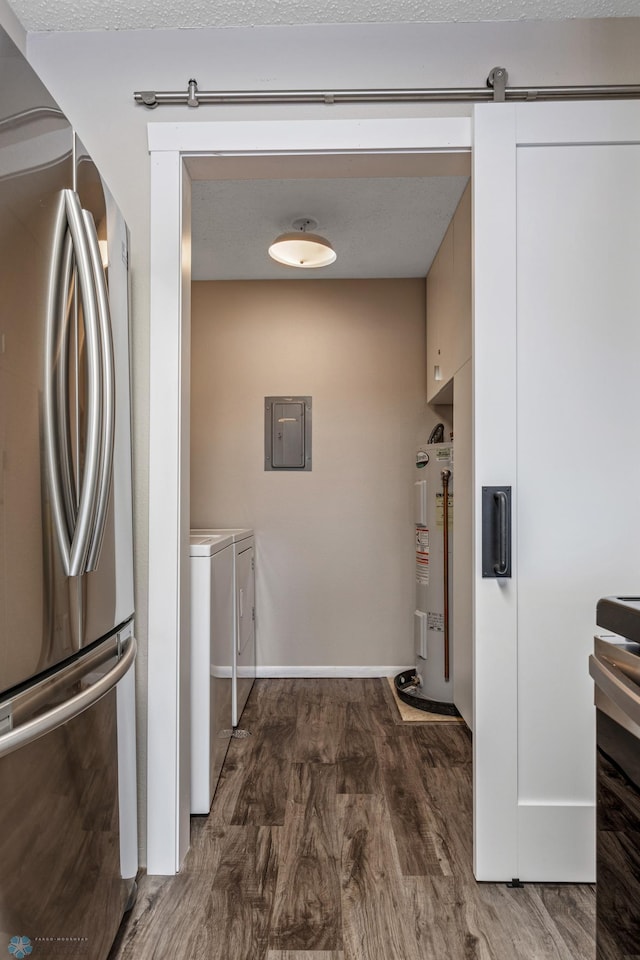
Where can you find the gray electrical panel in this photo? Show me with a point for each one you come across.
(287, 433)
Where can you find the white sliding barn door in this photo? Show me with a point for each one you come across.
(557, 403)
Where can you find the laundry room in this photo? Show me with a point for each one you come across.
(377, 352)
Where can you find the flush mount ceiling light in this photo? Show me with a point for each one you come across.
(302, 249)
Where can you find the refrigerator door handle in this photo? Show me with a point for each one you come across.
(64, 311)
(73, 533)
(107, 407)
(89, 482)
(56, 376)
(60, 714)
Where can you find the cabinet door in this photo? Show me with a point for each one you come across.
(246, 599)
(440, 299)
(245, 633)
(449, 304)
(433, 334)
(556, 398)
(459, 334)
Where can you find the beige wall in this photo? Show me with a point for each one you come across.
(335, 578)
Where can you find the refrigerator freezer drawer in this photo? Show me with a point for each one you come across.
(59, 839)
(68, 798)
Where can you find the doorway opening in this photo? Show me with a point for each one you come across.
(437, 149)
(337, 552)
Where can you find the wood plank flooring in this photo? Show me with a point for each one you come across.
(339, 833)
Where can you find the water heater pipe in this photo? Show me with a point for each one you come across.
(445, 537)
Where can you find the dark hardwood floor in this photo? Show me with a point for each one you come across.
(340, 833)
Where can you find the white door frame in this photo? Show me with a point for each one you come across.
(168, 652)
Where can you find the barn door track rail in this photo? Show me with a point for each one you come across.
(495, 90)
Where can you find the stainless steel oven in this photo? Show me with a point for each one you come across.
(615, 668)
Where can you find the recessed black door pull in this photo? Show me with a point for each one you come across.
(496, 532)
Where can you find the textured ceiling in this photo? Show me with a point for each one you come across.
(379, 227)
(175, 14)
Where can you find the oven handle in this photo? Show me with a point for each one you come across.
(615, 684)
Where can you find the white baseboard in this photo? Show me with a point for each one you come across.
(328, 671)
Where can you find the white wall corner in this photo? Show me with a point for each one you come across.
(14, 28)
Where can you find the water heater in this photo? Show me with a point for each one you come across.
(433, 572)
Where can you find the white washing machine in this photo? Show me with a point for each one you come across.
(212, 638)
(243, 662)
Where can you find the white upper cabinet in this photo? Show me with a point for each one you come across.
(449, 305)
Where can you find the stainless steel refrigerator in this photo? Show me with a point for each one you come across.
(68, 841)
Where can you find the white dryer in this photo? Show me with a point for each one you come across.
(243, 655)
(212, 632)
